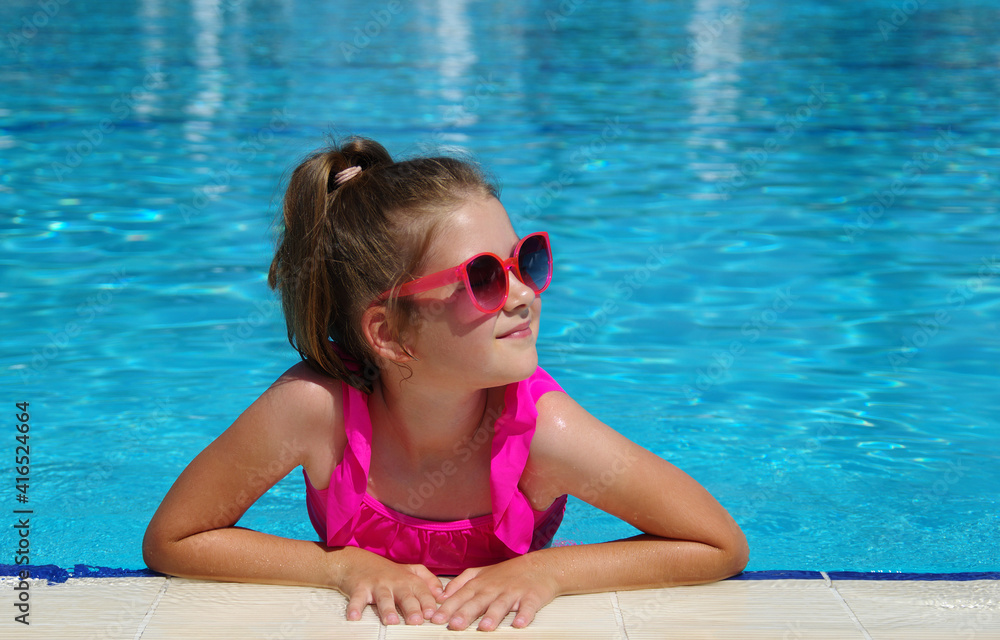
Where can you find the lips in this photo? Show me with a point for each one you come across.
(517, 332)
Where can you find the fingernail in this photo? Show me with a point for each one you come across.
(438, 618)
(486, 623)
(428, 613)
(392, 618)
(519, 622)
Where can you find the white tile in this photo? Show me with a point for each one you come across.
(98, 608)
(917, 609)
(744, 609)
(202, 609)
(567, 617)
(113, 608)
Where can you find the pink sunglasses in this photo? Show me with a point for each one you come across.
(485, 274)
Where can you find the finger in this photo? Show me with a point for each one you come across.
(451, 604)
(386, 606)
(432, 581)
(445, 611)
(459, 581)
(356, 605)
(428, 604)
(526, 611)
(472, 609)
(412, 609)
(497, 611)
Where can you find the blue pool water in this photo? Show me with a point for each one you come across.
(775, 226)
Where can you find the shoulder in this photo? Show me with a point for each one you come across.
(303, 391)
(560, 417)
(303, 410)
(555, 452)
(572, 450)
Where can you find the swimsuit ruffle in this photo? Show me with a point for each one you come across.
(345, 515)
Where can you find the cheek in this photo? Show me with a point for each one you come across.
(447, 324)
(463, 318)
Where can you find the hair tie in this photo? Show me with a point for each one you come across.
(346, 175)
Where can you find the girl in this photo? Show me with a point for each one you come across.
(430, 440)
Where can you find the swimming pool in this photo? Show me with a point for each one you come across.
(775, 231)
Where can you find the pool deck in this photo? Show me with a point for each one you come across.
(819, 606)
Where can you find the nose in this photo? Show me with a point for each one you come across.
(518, 293)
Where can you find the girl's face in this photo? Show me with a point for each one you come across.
(455, 343)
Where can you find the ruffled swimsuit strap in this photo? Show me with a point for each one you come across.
(349, 480)
(513, 517)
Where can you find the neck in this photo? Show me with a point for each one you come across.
(422, 427)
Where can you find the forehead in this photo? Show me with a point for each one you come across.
(479, 225)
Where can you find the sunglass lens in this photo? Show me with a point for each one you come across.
(486, 281)
(534, 262)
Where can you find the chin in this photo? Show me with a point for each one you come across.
(524, 366)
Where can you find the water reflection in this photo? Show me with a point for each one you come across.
(715, 53)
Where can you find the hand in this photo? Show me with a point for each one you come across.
(520, 583)
(410, 588)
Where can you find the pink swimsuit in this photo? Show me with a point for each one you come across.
(345, 515)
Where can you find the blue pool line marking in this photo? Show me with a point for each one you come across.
(865, 575)
(55, 574)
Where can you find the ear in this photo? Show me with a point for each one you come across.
(378, 333)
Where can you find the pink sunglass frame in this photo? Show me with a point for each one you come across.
(461, 272)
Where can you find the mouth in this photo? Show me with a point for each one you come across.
(520, 331)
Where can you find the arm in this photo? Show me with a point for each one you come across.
(689, 538)
(298, 421)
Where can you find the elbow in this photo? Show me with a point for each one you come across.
(152, 553)
(155, 551)
(737, 556)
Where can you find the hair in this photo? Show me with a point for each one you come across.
(341, 246)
